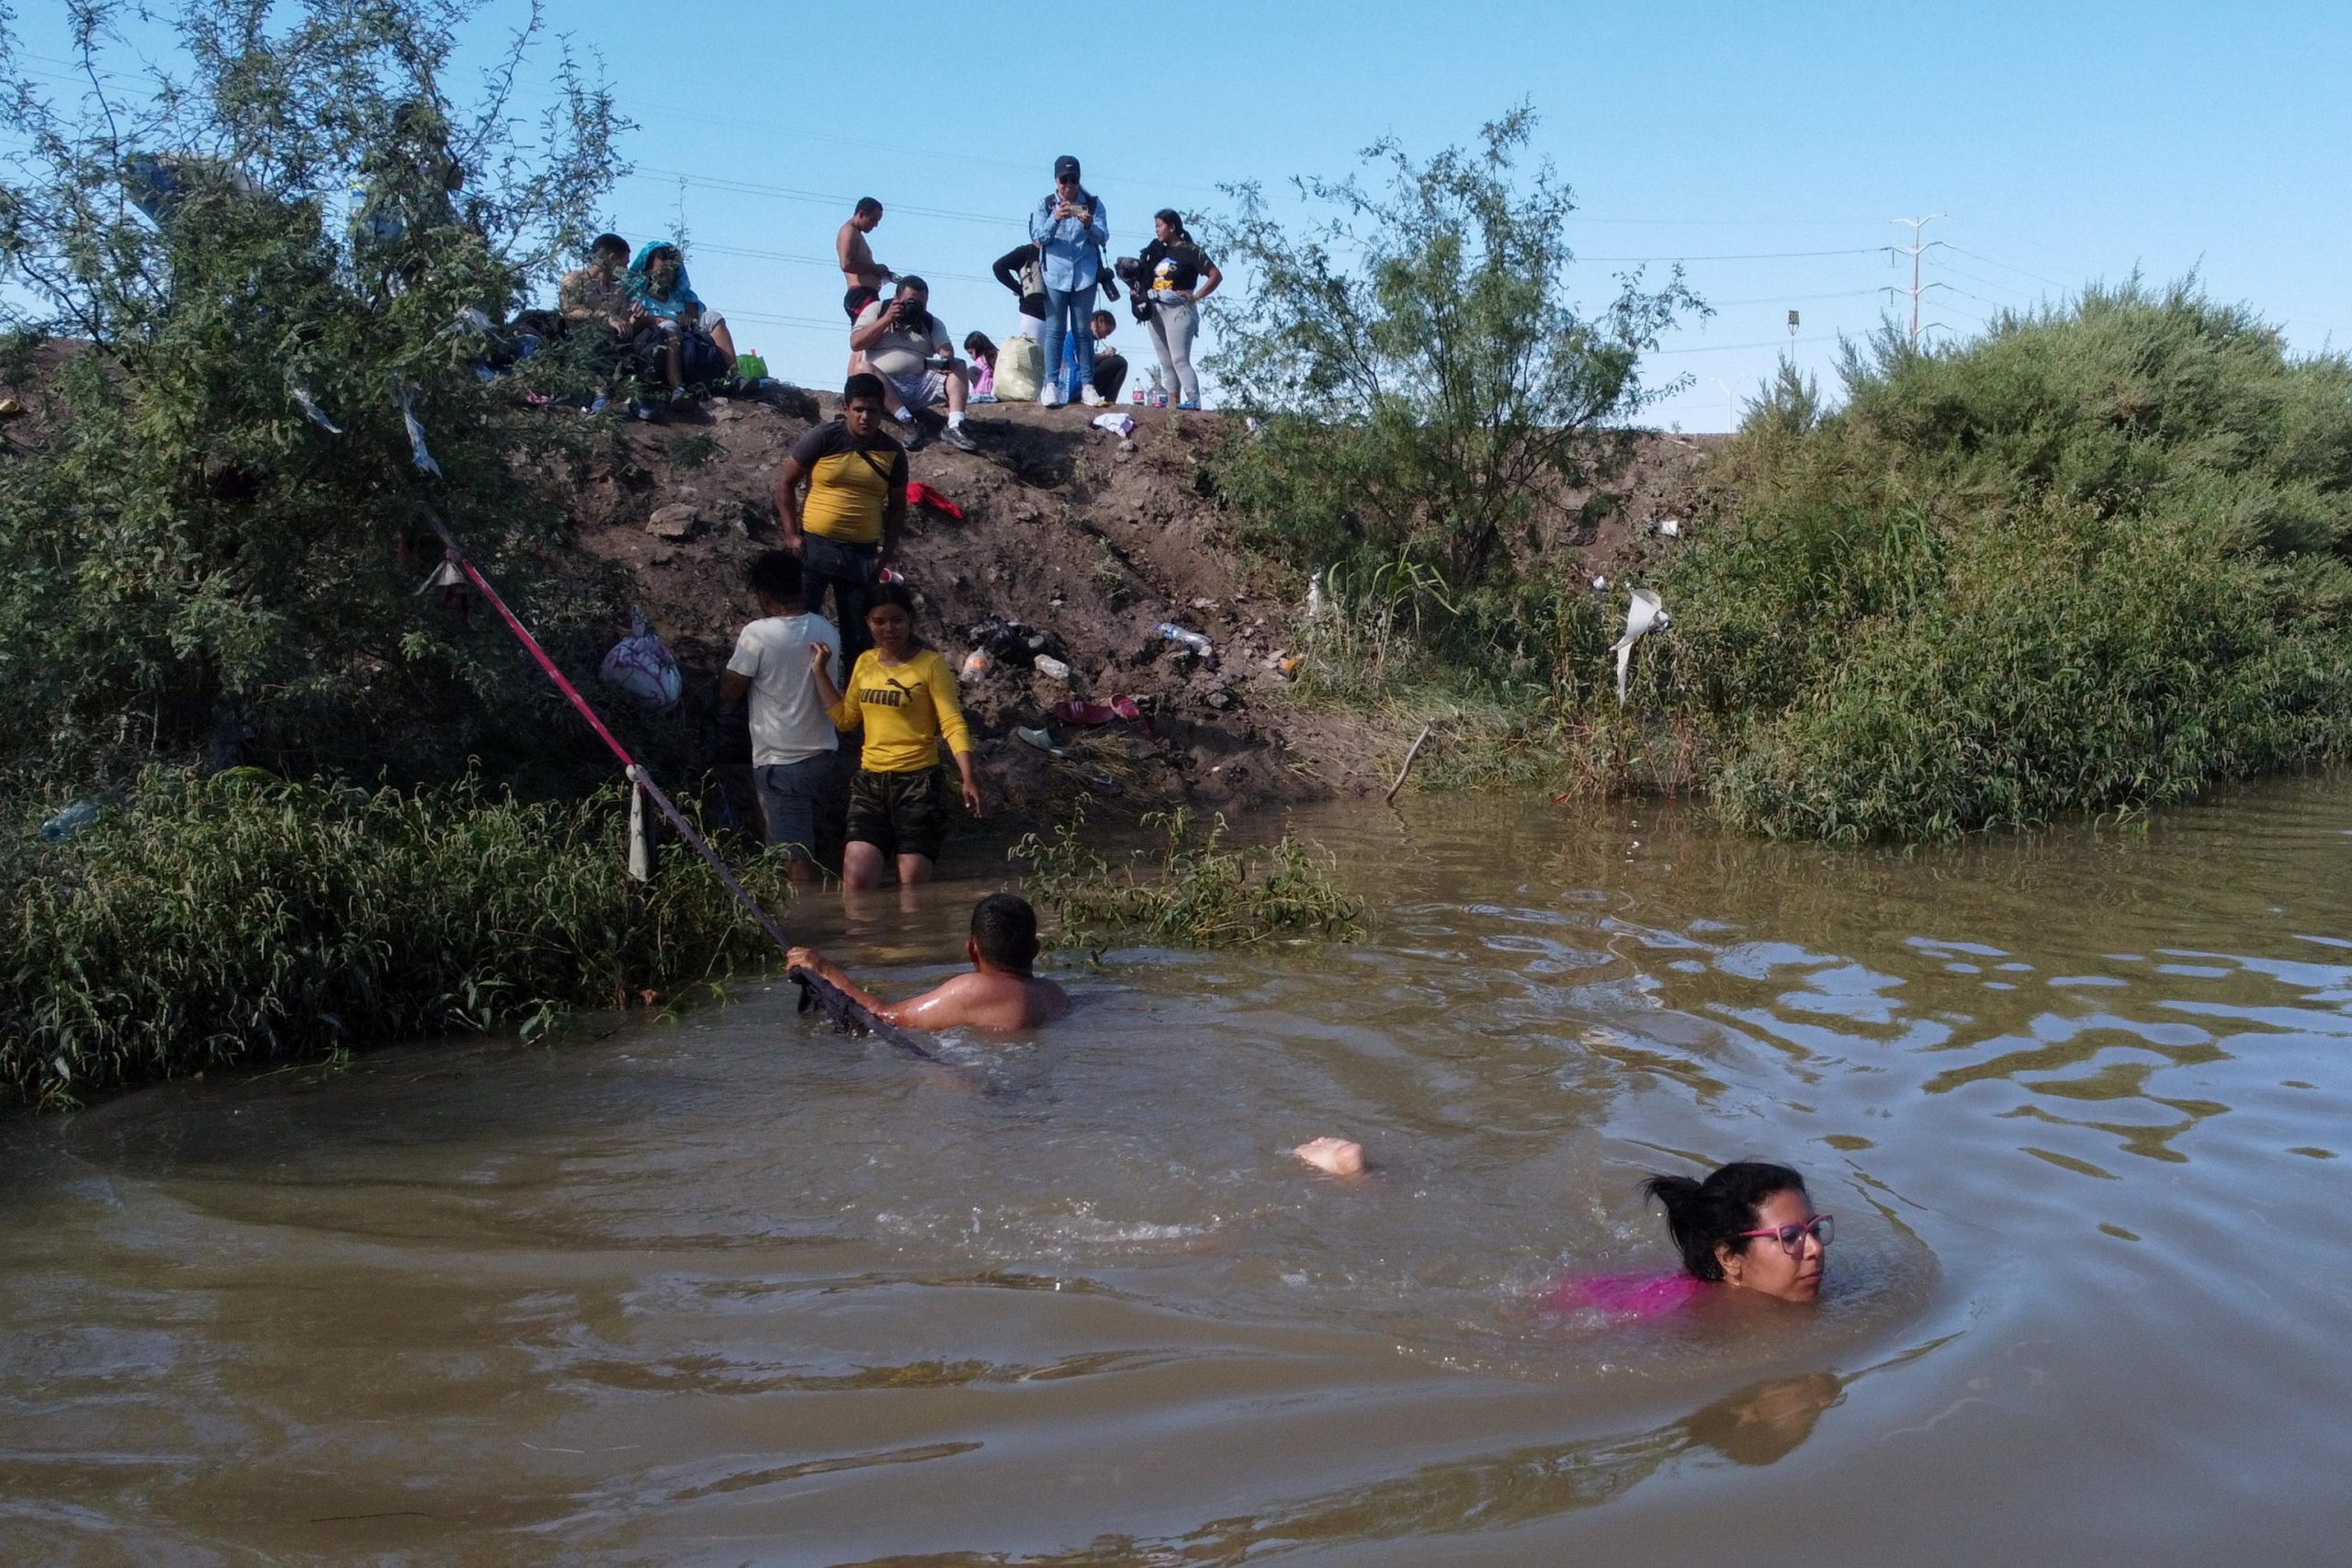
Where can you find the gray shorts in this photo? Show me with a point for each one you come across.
(926, 390)
(789, 793)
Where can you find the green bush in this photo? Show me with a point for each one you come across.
(2094, 562)
(1417, 369)
(1190, 891)
(189, 560)
(206, 923)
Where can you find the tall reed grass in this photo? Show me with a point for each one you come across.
(1190, 890)
(211, 922)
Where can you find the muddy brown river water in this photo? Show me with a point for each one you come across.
(733, 1290)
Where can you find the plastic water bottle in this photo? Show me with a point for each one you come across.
(1189, 638)
(70, 821)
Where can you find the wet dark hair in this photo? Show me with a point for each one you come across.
(604, 244)
(1703, 1215)
(865, 384)
(1175, 220)
(977, 345)
(1102, 316)
(867, 207)
(1004, 928)
(774, 574)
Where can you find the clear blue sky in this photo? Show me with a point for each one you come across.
(2066, 142)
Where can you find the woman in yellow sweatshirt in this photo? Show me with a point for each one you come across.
(904, 695)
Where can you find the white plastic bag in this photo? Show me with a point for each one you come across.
(1019, 371)
(641, 665)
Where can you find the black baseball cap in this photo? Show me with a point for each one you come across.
(1065, 167)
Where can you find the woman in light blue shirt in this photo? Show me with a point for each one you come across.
(1070, 232)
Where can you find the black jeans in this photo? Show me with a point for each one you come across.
(848, 571)
(1110, 375)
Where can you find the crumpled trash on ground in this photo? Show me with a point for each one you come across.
(1194, 641)
(641, 665)
(71, 820)
(1118, 424)
(1012, 645)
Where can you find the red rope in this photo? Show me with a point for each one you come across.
(639, 777)
(531, 645)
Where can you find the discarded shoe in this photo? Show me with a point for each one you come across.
(1092, 714)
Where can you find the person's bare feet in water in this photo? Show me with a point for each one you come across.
(1338, 1156)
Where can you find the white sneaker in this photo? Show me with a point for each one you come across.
(1052, 398)
(1092, 398)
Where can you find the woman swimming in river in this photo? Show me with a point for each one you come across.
(1749, 1226)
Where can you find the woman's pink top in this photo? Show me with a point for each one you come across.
(1626, 1295)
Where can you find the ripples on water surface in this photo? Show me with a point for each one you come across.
(733, 1290)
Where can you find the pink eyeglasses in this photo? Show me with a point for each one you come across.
(1792, 1237)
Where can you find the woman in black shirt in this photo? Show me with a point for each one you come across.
(1177, 278)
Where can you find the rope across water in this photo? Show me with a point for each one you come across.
(836, 1003)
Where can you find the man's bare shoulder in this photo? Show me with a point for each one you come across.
(985, 1001)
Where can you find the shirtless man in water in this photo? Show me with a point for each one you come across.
(999, 993)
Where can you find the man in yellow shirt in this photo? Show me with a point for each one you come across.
(846, 530)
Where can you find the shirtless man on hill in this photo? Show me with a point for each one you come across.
(860, 272)
(863, 276)
(1000, 993)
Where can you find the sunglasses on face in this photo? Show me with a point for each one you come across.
(1792, 1237)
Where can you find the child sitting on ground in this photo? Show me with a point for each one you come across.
(999, 993)
(981, 353)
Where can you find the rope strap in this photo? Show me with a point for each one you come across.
(837, 1004)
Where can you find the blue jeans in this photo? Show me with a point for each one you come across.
(1066, 321)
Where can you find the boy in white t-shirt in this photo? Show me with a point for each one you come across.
(792, 737)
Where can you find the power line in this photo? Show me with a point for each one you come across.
(828, 198)
(1790, 344)
(2007, 266)
(1750, 255)
(1798, 299)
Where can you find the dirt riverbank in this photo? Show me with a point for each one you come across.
(1084, 536)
